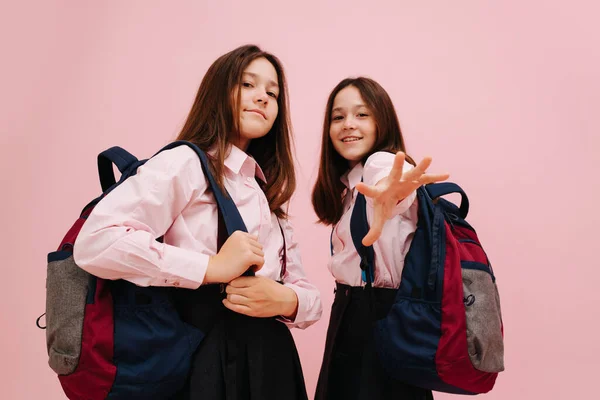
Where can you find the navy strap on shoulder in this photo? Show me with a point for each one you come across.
(331, 240)
(436, 190)
(117, 156)
(126, 162)
(359, 227)
(231, 216)
(227, 209)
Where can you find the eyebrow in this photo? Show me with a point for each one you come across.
(354, 107)
(255, 76)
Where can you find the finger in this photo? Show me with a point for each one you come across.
(255, 245)
(398, 167)
(432, 178)
(238, 299)
(417, 171)
(238, 308)
(252, 257)
(257, 251)
(376, 228)
(255, 263)
(371, 237)
(258, 263)
(242, 282)
(369, 191)
(230, 289)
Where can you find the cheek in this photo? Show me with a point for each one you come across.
(371, 130)
(274, 109)
(337, 145)
(332, 140)
(334, 131)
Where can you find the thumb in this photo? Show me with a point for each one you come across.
(369, 191)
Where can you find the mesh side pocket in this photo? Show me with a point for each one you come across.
(483, 316)
(66, 292)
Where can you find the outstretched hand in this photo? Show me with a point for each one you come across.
(392, 189)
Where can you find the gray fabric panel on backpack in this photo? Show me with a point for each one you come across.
(484, 321)
(66, 292)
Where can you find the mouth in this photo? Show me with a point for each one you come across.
(351, 139)
(259, 112)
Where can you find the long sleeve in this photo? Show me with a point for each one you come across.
(309, 297)
(118, 240)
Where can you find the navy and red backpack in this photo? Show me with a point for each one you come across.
(444, 331)
(113, 339)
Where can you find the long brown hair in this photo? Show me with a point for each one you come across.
(213, 120)
(329, 189)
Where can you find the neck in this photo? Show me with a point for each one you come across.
(240, 142)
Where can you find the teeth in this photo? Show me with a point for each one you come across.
(350, 140)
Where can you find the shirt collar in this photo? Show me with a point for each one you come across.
(352, 177)
(238, 162)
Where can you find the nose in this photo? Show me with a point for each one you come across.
(261, 96)
(349, 123)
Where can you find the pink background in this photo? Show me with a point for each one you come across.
(501, 93)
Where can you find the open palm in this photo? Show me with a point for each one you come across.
(394, 188)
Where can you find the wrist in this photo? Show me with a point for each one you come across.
(290, 304)
(212, 270)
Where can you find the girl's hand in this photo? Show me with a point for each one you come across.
(240, 252)
(257, 296)
(392, 189)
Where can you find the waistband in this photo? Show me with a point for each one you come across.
(357, 292)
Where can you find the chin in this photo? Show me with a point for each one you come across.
(254, 134)
(353, 157)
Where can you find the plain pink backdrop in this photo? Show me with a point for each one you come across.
(504, 95)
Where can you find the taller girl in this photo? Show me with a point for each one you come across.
(240, 119)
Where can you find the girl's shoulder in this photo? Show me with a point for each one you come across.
(379, 165)
(175, 159)
(180, 164)
(380, 157)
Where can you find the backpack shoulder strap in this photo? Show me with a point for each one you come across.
(231, 216)
(436, 190)
(121, 158)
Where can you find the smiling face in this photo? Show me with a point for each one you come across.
(257, 106)
(352, 130)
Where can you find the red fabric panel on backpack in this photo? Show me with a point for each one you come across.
(96, 371)
(452, 358)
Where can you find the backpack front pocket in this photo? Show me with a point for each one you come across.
(67, 288)
(484, 320)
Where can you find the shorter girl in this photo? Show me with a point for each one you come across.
(363, 151)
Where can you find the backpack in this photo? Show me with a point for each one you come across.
(444, 331)
(113, 339)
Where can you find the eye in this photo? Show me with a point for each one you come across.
(362, 115)
(337, 118)
(273, 95)
(247, 84)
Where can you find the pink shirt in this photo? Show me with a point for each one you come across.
(391, 248)
(168, 196)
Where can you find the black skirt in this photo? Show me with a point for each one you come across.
(351, 368)
(241, 358)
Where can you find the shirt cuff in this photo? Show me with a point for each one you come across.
(302, 319)
(187, 268)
